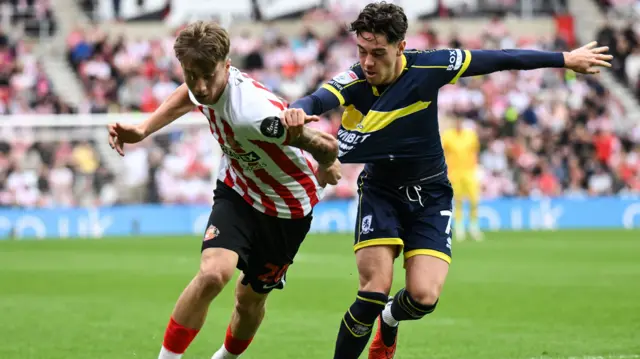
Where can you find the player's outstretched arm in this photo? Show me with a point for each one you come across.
(319, 102)
(174, 107)
(322, 146)
(586, 60)
(324, 149)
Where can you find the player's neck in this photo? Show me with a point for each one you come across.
(397, 71)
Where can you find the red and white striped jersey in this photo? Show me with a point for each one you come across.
(274, 178)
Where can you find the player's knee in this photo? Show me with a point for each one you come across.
(213, 278)
(426, 296)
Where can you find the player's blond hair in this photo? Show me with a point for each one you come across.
(202, 44)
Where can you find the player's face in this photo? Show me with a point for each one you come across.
(206, 84)
(378, 58)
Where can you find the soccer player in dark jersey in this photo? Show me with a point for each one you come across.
(405, 198)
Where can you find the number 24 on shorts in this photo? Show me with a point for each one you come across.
(275, 273)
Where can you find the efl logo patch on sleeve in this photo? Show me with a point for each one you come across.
(272, 127)
(345, 78)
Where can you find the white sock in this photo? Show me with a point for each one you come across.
(388, 317)
(474, 225)
(222, 353)
(166, 354)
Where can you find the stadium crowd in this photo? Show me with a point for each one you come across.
(623, 40)
(24, 86)
(543, 132)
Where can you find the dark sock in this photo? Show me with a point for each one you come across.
(406, 308)
(389, 333)
(356, 325)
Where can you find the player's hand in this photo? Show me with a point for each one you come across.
(588, 58)
(330, 174)
(294, 120)
(119, 134)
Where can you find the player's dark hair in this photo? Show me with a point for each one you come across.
(203, 44)
(382, 18)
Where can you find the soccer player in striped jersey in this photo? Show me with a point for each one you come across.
(390, 123)
(265, 194)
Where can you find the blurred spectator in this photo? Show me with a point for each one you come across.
(24, 87)
(543, 132)
(51, 174)
(624, 44)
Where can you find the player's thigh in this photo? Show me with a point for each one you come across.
(275, 246)
(378, 221)
(375, 268)
(226, 241)
(428, 228)
(472, 188)
(459, 188)
(425, 277)
(428, 251)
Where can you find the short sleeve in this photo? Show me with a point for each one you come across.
(444, 66)
(261, 121)
(343, 85)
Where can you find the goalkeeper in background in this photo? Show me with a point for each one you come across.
(461, 147)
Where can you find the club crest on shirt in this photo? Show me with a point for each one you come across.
(211, 233)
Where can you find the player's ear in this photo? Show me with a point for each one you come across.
(227, 64)
(401, 46)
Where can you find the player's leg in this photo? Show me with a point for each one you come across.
(246, 318)
(473, 188)
(377, 243)
(273, 251)
(216, 269)
(459, 194)
(425, 277)
(375, 266)
(427, 249)
(224, 247)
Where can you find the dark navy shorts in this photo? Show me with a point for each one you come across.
(416, 218)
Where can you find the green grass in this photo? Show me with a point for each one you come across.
(516, 295)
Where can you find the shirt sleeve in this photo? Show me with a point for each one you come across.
(341, 85)
(488, 61)
(336, 92)
(442, 67)
(261, 119)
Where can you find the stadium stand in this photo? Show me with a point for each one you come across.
(624, 40)
(543, 133)
(24, 86)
